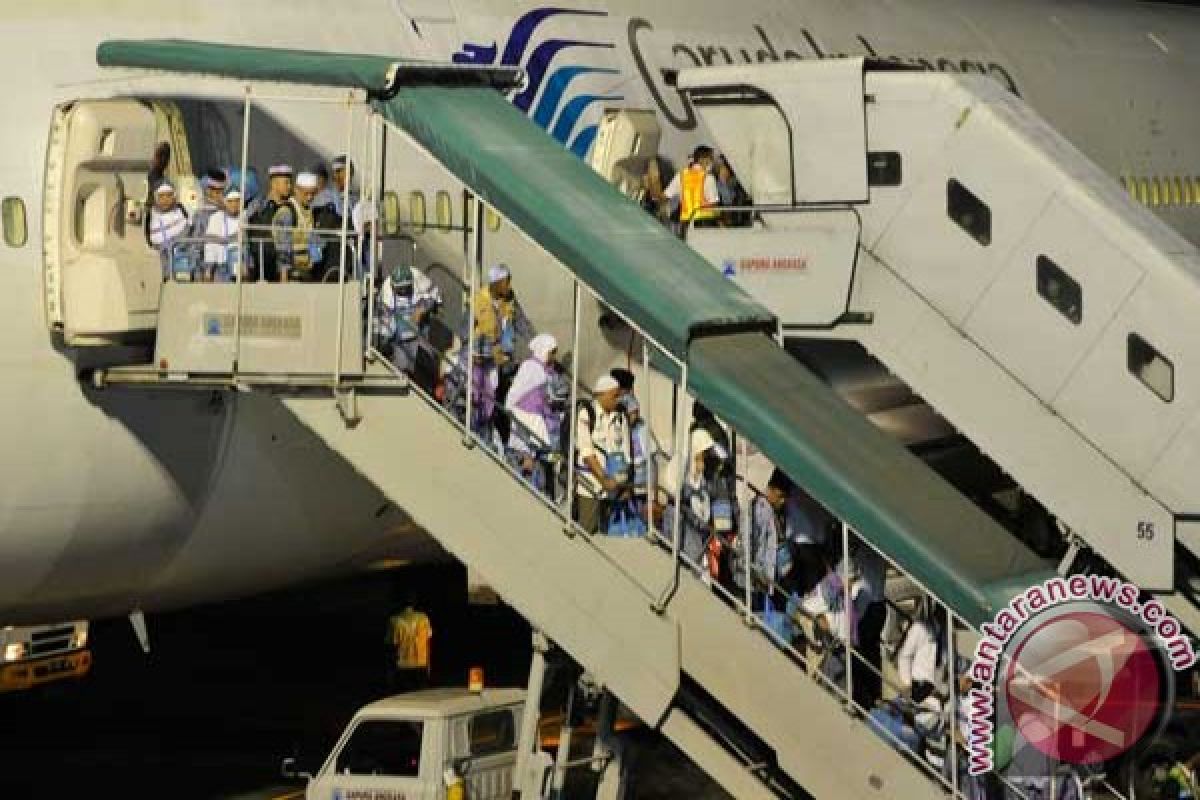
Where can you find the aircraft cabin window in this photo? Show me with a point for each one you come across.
(1195, 181)
(1149, 366)
(969, 212)
(493, 220)
(885, 169)
(1188, 198)
(1177, 191)
(1155, 192)
(1060, 290)
(12, 210)
(1143, 191)
(444, 210)
(416, 211)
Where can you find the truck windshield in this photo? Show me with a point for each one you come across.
(383, 747)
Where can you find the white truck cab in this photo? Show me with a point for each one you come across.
(402, 747)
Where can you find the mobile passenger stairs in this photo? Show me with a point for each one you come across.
(687, 657)
(1007, 280)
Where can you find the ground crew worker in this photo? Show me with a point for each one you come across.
(532, 443)
(279, 194)
(409, 634)
(696, 190)
(222, 254)
(166, 223)
(297, 247)
(602, 455)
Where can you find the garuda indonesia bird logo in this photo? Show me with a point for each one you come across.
(548, 97)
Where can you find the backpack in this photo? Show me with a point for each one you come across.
(586, 405)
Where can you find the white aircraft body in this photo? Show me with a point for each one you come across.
(116, 501)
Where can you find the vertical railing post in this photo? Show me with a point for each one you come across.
(684, 456)
(648, 431)
(341, 299)
(847, 615)
(371, 213)
(469, 361)
(747, 526)
(242, 223)
(952, 728)
(571, 416)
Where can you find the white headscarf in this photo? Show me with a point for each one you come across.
(542, 346)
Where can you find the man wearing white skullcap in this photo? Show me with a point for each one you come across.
(602, 452)
(222, 255)
(279, 195)
(166, 223)
(298, 249)
(536, 429)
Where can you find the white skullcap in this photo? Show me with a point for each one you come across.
(306, 180)
(702, 440)
(165, 188)
(233, 194)
(280, 170)
(498, 273)
(542, 345)
(605, 383)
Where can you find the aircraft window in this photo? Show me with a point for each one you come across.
(969, 212)
(1155, 192)
(1060, 290)
(383, 747)
(1143, 191)
(1177, 191)
(416, 211)
(12, 210)
(1148, 365)
(885, 169)
(493, 220)
(1195, 188)
(1188, 198)
(444, 209)
(493, 732)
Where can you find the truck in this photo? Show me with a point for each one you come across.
(433, 744)
(39, 654)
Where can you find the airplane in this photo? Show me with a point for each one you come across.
(120, 502)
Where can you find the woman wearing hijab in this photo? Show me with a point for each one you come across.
(536, 423)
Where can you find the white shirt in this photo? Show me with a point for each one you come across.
(223, 227)
(167, 226)
(608, 434)
(712, 196)
(917, 659)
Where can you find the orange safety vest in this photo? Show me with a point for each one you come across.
(692, 206)
(410, 633)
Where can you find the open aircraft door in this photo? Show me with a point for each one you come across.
(101, 279)
(626, 144)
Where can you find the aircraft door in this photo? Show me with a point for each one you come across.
(101, 279)
(626, 145)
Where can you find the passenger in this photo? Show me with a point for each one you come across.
(602, 455)
(500, 324)
(407, 301)
(721, 483)
(166, 224)
(213, 185)
(807, 539)
(297, 248)
(917, 712)
(696, 190)
(279, 195)
(696, 508)
(770, 559)
(869, 571)
(906, 722)
(732, 195)
(222, 255)
(343, 174)
(643, 448)
(917, 661)
(325, 196)
(252, 197)
(536, 428)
